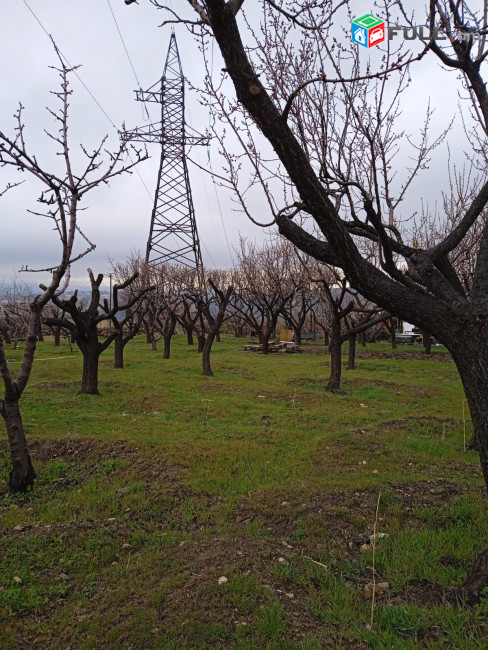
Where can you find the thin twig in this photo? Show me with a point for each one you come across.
(374, 557)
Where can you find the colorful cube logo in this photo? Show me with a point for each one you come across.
(368, 30)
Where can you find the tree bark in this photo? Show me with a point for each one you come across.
(5, 333)
(476, 581)
(22, 474)
(91, 353)
(189, 336)
(201, 342)
(207, 368)
(57, 337)
(427, 342)
(471, 358)
(119, 351)
(167, 346)
(147, 330)
(363, 338)
(334, 384)
(154, 346)
(351, 360)
(391, 327)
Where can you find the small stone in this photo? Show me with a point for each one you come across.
(379, 588)
(17, 579)
(110, 520)
(375, 471)
(364, 462)
(125, 546)
(360, 539)
(262, 396)
(290, 595)
(114, 563)
(155, 630)
(364, 547)
(21, 527)
(284, 503)
(282, 560)
(223, 580)
(285, 544)
(64, 576)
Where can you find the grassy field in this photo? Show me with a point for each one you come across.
(176, 511)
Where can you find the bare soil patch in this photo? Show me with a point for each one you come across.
(413, 355)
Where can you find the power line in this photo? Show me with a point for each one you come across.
(89, 91)
(69, 65)
(123, 43)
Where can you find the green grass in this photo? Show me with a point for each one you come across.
(150, 492)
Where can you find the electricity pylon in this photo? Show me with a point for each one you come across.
(173, 235)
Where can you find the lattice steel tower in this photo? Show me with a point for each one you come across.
(173, 235)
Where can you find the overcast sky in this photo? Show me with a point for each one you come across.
(117, 218)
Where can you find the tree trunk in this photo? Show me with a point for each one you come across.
(265, 342)
(22, 474)
(147, 330)
(154, 346)
(217, 337)
(189, 335)
(470, 353)
(167, 346)
(427, 342)
(119, 351)
(363, 338)
(334, 384)
(40, 337)
(207, 369)
(201, 342)
(6, 336)
(351, 360)
(298, 335)
(391, 327)
(89, 379)
(57, 337)
(476, 581)
(471, 358)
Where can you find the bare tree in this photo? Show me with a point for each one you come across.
(211, 304)
(220, 297)
(51, 311)
(330, 122)
(14, 318)
(84, 321)
(264, 287)
(128, 324)
(60, 197)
